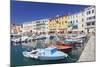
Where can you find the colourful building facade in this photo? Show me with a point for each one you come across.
(58, 24)
(16, 29)
(76, 22)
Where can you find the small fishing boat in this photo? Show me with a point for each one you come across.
(72, 41)
(19, 39)
(40, 37)
(29, 39)
(15, 40)
(64, 47)
(49, 53)
(32, 54)
(24, 38)
(75, 38)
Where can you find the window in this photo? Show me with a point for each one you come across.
(87, 18)
(93, 23)
(82, 19)
(57, 22)
(73, 21)
(93, 17)
(89, 12)
(21, 26)
(65, 21)
(90, 18)
(30, 30)
(75, 27)
(69, 32)
(92, 11)
(88, 24)
(82, 31)
(70, 21)
(76, 15)
(76, 21)
(82, 25)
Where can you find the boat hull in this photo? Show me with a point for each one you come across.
(51, 58)
(67, 50)
(50, 53)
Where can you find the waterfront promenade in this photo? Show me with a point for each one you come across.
(88, 53)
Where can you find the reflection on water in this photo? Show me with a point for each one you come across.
(17, 59)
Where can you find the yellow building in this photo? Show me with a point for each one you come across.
(58, 24)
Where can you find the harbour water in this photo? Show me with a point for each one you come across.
(17, 59)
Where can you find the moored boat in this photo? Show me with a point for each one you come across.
(49, 53)
(15, 40)
(31, 54)
(64, 47)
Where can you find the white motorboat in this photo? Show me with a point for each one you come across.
(15, 37)
(23, 38)
(15, 40)
(32, 54)
(20, 39)
(29, 39)
(39, 37)
(74, 38)
(49, 53)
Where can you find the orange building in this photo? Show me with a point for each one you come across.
(16, 29)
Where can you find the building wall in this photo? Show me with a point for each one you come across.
(90, 19)
(13, 30)
(16, 29)
(76, 22)
(72, 22)
(58, 23)
(34, 27)
(81, 21)
(19, 29)
(40, 26)
(27, 27)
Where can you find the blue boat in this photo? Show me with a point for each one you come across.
(50, 53)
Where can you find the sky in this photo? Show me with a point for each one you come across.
(28, 11)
